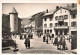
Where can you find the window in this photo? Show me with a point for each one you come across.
(56, 24)
(56, 32)
(73, 16)
(50, 19)
(65, 32)
(51, 25)
(73, 24)
(50, 31)
(45, 25)
(56, 18)
(44, 31)
(65, 16)
(65, 23)
(60, 32)
(44, 19)
(60, 17)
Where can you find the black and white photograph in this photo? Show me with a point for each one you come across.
(39, 28)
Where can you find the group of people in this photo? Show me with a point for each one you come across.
(27, 40)
(59, 41)
(48, 37)
(30, 35)
(39, 34)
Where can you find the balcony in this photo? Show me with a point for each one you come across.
(61, 27)
(60, 20)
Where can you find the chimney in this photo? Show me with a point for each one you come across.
(47, 10)
(57, 7)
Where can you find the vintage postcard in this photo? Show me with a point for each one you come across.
(39, 28)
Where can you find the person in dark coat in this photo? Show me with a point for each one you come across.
(31, 35)
(72, 42)
(60, 42)
(47, 35)
(24, 36)
(55, 41)
(52, 35)
(27, 42)
(63, 43)
(20, 36)
(44, 38)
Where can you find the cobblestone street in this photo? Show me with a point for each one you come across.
(37, 46)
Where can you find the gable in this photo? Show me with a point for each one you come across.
(60, 10)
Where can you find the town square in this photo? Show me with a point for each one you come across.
(39, 28)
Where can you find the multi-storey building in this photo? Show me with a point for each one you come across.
(73, 20)
(5, 23)
(62, 21)
(13, 21)
(48, 23)
(37, 20)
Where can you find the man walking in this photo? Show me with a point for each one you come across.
(27, 42)
(44, 38)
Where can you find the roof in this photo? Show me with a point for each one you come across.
(48, 14)
(60, 8)
(13, 10)
(69, 9)
(25, 21)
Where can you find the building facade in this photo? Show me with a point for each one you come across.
(63, 21)
(5, 23)
(48, 23)
(73, 21)
(13, 21)
(38, 21)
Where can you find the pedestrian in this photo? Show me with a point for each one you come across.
(50, 35)
(52, 38)
(38, 35)
(47, 35)
(63, 43)
(27, 42)
(58, 42)
(31, 35)
(44, 38)
(55, 40)
(20, 36)
(72, 42)
(25, 36)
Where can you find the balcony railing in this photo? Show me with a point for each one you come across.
(61, 27)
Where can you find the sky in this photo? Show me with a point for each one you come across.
(25, 10)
